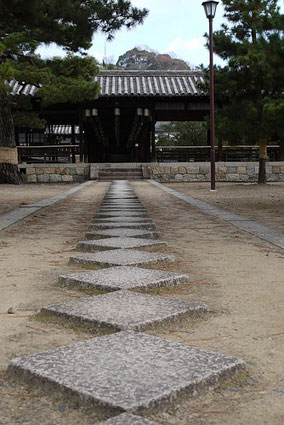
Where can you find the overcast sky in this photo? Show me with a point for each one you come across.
(172, 26)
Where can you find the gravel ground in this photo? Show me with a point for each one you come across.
(238, 275)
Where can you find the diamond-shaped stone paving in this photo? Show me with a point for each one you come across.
(118, 242)
(120, 257)
(127, 371)
(123, 310)
(123, 277)
(130, 233)
(128, 419)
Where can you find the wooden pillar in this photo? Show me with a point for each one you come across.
(73, 158)
(281, 144)
(153, 138)
(81, 135)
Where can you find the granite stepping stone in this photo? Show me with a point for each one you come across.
(121, 257)
(123, 277)
(118, 243)
(121, 196)
(122, 213)
(130, 233)
(124, 310)
(126, 372)
(122, 207)
(129, 219)
(128, 419)
(122, 224)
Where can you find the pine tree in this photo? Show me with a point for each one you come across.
(24, 26)
(251, 86)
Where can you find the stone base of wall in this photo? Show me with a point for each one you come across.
(54, 173)
(225, 172)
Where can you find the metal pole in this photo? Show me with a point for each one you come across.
(212, 109)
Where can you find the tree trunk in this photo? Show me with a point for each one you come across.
(9, 172)
(281, 144)
(262, 161)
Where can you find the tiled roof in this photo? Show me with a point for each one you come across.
(137, 83)
(150, 83)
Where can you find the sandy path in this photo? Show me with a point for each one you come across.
(239, 276)
(241, 279)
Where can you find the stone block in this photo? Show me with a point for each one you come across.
(182, 170)
(251, 171)
(282, 169)
(156, 170)
(130, 233)
(232, 177)
(275, 169)
(116, 278)
(281, 177)
(193, 170)
(55, 178)
(220, 177)
(118, 243)
(241, 170)
(43, 178)
(167, 170)
(67, 179)
(231, 170)
(71, 171)
(80, 171)
(126, 372)
(121, 257)
(30, 170)
(124, 310)
(122, 225)
(128, 419)
(272, 177)
(32, 178)
(204, 169)
(179, 177)
(221, 169)
(244, 177)
(174, 170)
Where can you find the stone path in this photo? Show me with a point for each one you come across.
(116, 278)
(12, 217)
(128, 371)
(276, 237)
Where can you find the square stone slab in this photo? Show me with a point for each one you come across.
(130, 233)
(121, 196)
(126, 371)
(129, 219)
(128, 419)
(118, 242)
(122, 224)
(121, 213)
(124, 310)
(115, 278)
(120, 257)
(121, 207)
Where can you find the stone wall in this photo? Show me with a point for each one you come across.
(54, 173)
(225, 171)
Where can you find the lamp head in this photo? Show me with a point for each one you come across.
(210, 8)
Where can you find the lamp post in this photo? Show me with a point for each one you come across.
(210, 11)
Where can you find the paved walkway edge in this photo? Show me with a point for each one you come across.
(13, 216)
(276, 237)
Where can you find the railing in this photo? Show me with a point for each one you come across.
(202, 153)
(48, 153)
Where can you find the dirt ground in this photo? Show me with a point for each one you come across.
(239, 276)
